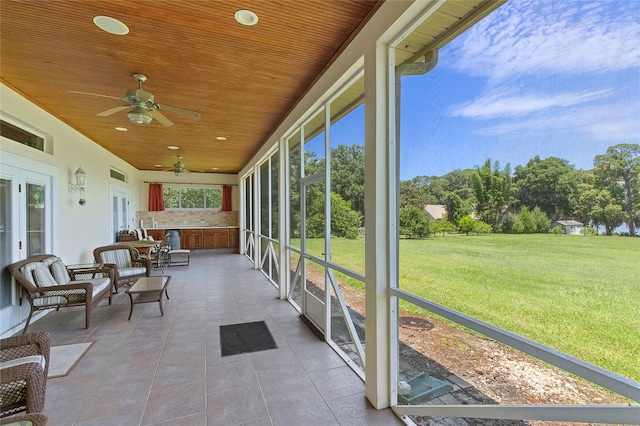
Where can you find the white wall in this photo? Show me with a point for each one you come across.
(77, 229)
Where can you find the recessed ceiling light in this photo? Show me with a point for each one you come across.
(111, 25)
(214, 168)
(221, 138)
(173, 147)
(121, 129)
(246, 17)
(158, 165)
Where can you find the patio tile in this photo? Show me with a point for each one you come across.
(276, 381)
(116, 398)
(130, 418)
(178, 373)
(305, 407)
(231, 376)
(174, 402)
(336, 383)
(236, 406)
(355, 410)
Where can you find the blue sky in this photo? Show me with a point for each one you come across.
(547, 78)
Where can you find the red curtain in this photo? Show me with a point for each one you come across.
(226, 198)
(156, 199)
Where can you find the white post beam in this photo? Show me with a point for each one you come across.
(284, 277)
(377, 244)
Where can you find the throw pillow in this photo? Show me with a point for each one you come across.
(59, 271)
(43, 277)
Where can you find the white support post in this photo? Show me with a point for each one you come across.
(284, 273)
(377, 245)
(257, 247)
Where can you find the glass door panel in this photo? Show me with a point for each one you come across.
(36, 219)
(313, 244)
(7, 232)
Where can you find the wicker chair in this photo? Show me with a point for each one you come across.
(33, 419)
(48, 283)
(23, 386)
(126, 261)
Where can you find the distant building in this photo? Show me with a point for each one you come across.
(569, 227)
(436, 211)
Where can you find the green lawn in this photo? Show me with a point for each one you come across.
(580, 295)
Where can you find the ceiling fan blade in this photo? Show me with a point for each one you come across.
(195, 114)
(95, 94)
(187, 171)
(113, 110)
(161, 118)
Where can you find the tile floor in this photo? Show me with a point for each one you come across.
(168, 370)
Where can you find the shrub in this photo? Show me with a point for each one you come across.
(479, 227)
(528, 221)
(541, 220)
(345, 222)
(414, 222)
(466, 224)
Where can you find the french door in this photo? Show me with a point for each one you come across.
(25, 230)
(120, 214)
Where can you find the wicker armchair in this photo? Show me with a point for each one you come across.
(33, 419)
(126, 262)
(23, 386)
(48, 283)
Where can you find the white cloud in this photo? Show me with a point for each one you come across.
(613, 123)
(529, 37)
(513, 104)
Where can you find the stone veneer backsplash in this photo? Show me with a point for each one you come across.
(171, 218)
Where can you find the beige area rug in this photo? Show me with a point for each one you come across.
(63, 358)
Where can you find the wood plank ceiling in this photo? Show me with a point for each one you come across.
(242, 79)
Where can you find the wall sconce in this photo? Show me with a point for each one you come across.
(81, 176)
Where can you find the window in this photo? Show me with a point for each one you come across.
(22, 136)
(117, 174)
(192, 198)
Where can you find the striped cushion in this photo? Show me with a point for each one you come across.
(122, 258)
(134, 270)
(38, 359)
(98, 284)
(43, 278)
(27, 270)
(59, 271)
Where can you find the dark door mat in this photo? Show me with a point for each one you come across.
(246, 337)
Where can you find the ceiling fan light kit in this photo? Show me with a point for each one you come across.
(143, 107)
(139, 115)
(179, 168)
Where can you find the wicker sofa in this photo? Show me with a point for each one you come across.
(48, 283)
(126, 262)
(24, 365)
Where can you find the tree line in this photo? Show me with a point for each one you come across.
(532, 197)
(487, 198)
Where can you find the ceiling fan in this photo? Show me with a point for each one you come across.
(143, 108)
(179, 168)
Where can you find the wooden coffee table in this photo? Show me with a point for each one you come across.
(148, 289)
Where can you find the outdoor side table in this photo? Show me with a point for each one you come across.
(148, 289)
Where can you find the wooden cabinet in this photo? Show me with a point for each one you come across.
(156, 234)
(234, 237)
(191, 239)
(208, 238)
(216, 238)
